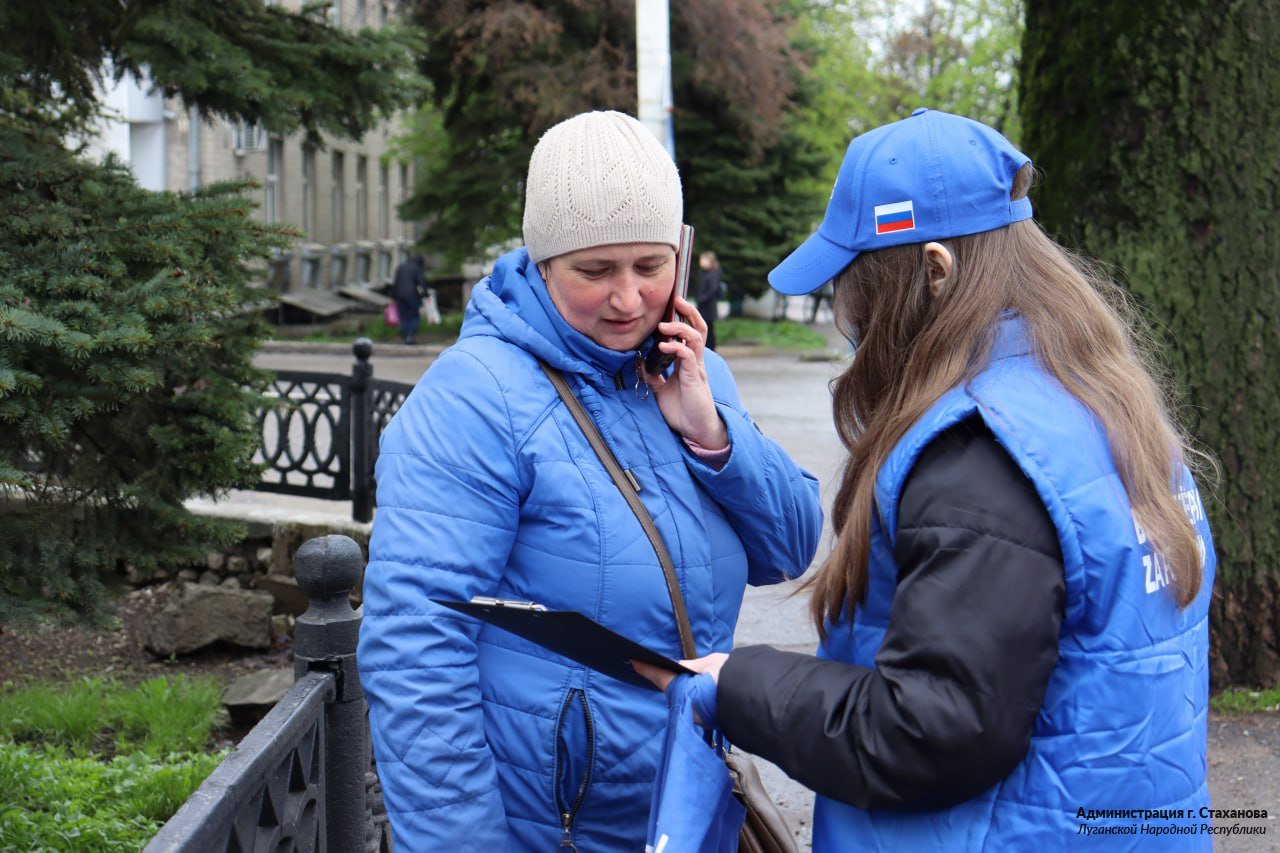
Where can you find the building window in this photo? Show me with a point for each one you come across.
(360, 13)
(362, 197)
(275, 168)
(335, 13)
(309, 190)
(382, 12)
(248, 137)
(384, 201)
(339, 194)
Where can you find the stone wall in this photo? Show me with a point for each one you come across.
(244, 595)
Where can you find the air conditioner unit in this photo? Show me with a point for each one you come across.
(248, 137)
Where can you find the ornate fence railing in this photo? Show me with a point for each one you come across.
(320, 432)
(303, 778)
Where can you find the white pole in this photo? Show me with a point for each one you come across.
(653, 70)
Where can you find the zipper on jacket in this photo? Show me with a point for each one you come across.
(569, 811)
(642, 389)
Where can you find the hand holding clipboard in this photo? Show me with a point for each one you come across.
(569, 633)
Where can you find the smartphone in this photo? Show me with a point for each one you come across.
(657, 360)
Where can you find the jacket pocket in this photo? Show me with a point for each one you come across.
(575, 754)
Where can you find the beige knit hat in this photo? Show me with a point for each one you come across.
(598, 179)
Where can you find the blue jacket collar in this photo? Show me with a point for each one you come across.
(1011, 337)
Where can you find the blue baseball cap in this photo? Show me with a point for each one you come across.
(928, 177)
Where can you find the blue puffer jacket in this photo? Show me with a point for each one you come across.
(486, 486)
(1122, 728)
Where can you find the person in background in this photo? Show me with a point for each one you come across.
(408, 289)
(487, 486)
(706, 293)
(1014, 616)
(819, 296)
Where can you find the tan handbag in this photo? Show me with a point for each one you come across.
(765, 829)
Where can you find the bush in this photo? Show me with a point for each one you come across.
(126, 376)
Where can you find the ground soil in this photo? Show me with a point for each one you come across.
(1244, 750)
(54, 651)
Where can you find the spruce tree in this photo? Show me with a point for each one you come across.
(126, 333)
(128, 322)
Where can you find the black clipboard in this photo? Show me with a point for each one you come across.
(568, 633)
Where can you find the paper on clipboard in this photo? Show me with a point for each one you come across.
(569, 633)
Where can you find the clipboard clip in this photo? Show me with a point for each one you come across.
(507, 603)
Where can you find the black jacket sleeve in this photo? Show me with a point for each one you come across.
(948, 709)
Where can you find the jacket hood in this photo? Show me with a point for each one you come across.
(512, 303)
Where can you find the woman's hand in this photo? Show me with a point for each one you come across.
(685, 398)
(711, 665)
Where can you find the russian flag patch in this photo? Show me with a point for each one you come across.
(900, 216)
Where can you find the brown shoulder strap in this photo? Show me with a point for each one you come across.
(626, 484)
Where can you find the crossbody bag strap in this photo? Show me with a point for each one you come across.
(626, 484)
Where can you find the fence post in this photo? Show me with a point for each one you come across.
(325, 637)
(361, 476)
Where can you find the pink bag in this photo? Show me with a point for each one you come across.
(391, 315)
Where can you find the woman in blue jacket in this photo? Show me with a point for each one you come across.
(1015, 613)
(486, 486)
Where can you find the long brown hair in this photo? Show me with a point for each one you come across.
(912, 346)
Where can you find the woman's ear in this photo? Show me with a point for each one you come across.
(940, 263)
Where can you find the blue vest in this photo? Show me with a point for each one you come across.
(1123, 724)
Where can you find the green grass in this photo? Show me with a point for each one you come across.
(98, 765)
(156, 717)
(1241, 701)
(52, 800)
(375, 329)
(786, 334)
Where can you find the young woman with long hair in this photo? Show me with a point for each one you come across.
(1014, 615)
(914, 345)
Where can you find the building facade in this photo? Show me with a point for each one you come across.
(342, 195)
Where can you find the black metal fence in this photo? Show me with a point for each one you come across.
(303, 778)
(320, 432)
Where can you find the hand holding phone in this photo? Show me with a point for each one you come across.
(657, 360)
